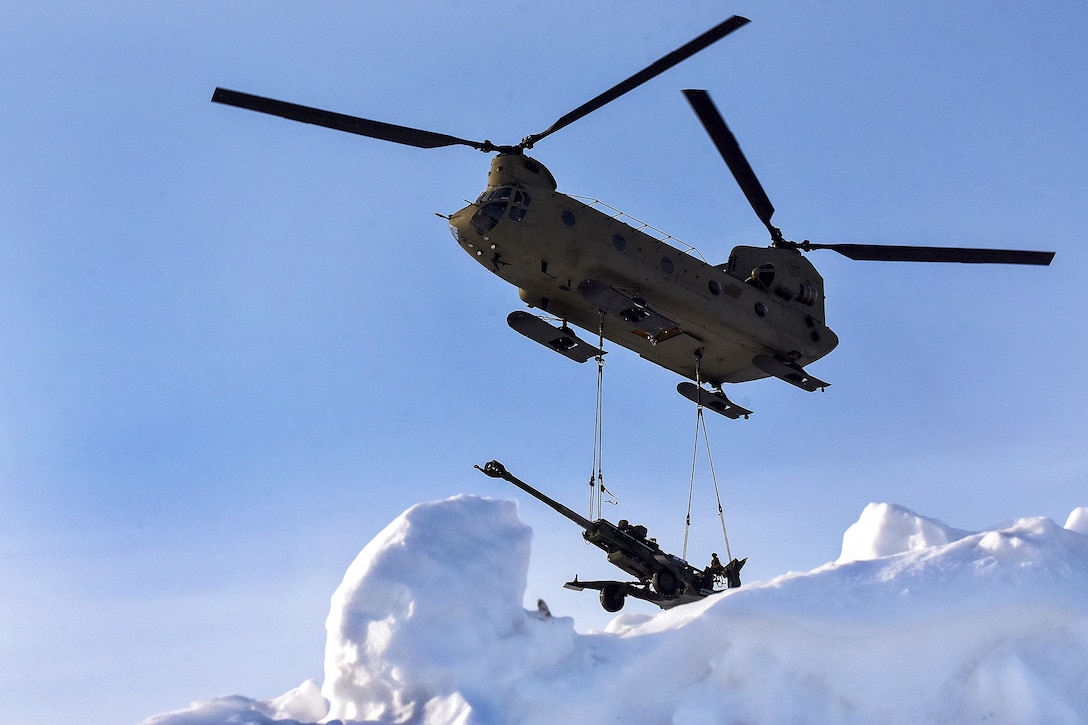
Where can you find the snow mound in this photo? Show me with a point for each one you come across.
(885, 529)
(429, 617)
(915, 622)
(1078, 520)
(304, 703)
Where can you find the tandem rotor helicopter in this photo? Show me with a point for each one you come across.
(760, 314)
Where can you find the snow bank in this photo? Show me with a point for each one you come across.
(1078, 520)
(303, 704)
(885, 529)
(429, 617)
(915, 622)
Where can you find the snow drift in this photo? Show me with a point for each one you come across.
(914, 622)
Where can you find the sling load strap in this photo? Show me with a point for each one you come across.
(717, 493)
(700, 425)
(597, 489)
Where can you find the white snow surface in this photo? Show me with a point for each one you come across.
(914, 622)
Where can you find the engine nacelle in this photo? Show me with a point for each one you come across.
(785, 273)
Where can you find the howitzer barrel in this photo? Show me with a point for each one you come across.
(497, 470)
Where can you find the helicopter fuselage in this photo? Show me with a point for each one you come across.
(762, 302)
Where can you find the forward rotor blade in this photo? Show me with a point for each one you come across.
(891, 253)
(657, 68)
(340, 122)
(730, 150)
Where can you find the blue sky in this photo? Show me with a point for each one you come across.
(234, 347)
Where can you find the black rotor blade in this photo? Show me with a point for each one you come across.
(660, 66)
(892, 253)
(728, 147)
(340, 122)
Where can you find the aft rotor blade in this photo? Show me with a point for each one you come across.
(728, 147)
(657, 68)
(340, 122)
(891, 253)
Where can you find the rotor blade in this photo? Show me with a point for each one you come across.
(657, 68)
(891, 253)
(340, 122)
(730, 150)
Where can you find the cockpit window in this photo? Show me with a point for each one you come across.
(487, 216)
(493, 205)
(500, 194)
(504, 193)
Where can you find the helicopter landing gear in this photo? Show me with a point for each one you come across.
(561, 339)
(713, 399)
(791, 372)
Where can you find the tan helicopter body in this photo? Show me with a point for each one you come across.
(547, 244)
(761, 314)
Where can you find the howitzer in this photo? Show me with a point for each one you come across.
(663, 579)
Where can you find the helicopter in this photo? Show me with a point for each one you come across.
(582, 263)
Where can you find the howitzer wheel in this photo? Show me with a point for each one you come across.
(666, 584)
(612, 597)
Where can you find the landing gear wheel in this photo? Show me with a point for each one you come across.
(666, 583)
(612, 597)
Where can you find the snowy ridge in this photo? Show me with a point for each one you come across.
(915, 622)
(885, 529)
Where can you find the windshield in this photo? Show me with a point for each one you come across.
(493, 205)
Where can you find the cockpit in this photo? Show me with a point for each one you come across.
(494, 204)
